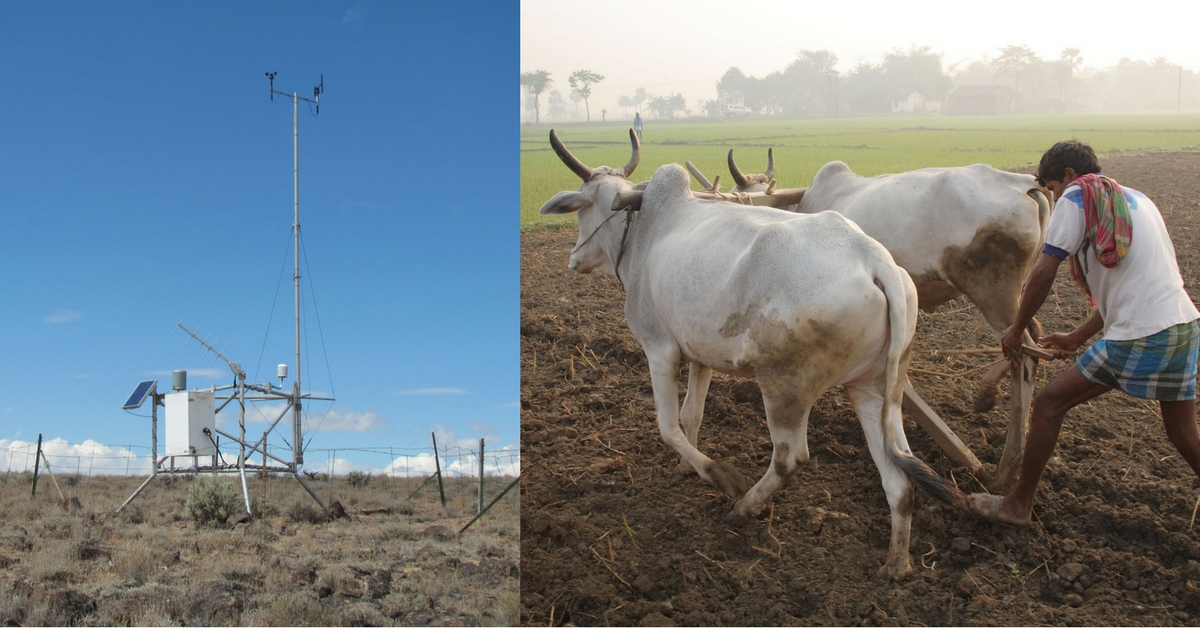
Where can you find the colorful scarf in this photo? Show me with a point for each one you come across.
(1109, 225)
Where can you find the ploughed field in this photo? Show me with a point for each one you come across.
(612, 534)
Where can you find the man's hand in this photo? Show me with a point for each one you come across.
(1010, 344)
(1064, 342)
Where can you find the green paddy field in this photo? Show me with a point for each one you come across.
(870, 146)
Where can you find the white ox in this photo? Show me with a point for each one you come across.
(971, 230)
(801, 303)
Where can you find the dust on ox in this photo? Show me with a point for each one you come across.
(801, 303)
(971, 230)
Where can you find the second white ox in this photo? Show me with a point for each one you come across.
(801, 303)
(971, 230)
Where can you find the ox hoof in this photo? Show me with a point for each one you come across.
(685, 467)
(725, 477)
(985, 399)
(893, 572)
(736, 520)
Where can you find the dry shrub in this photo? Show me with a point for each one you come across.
(211, 500)
(439, 533)
(135, 561)
(55, 563)
(148, 605)
(397, 531)
(305, 512)
(58, 607)
(213, 603)
(358, 479)
(293, 608)
(363, 614)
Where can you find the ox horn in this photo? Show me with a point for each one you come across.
(738, 177)
(572, 162)
(635, 157)
(770, 165)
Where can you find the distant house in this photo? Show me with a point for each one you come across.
(981, 100)
(914, 102)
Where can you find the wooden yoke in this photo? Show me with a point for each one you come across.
(632, 199)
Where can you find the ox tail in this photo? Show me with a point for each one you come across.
(902, 320)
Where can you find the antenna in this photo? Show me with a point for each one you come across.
(233, 366)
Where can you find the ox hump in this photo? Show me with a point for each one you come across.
(669, 181)
(834, 168)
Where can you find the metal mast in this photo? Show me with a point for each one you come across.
(297, 436)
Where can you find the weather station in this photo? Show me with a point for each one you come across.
(192, 437)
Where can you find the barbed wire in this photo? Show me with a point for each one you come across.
(91, 458)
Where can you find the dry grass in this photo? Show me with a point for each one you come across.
(402, 564)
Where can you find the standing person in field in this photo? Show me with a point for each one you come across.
(637, 125)
(1120, 254)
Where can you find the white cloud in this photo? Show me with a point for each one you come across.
(86, 458)
(63, 316)
(334, 421)
(353, 15)
(433, 391)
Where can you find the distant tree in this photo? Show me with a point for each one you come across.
(731, 88)
(678, 105)
(918, 70)
(1018, 63)
(667, 106)
(575, 98)
(558, 109)
(582, 81)
(804, 87)
(537, 82)
(639, 97)
(624, 102)
(865, 90)
(1064, 73)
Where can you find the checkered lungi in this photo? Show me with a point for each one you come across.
(1160, 366)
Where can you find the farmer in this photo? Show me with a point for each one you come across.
(637, 125)
(1121, 256)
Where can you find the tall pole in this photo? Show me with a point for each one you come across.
(297, 436)
(296, 219)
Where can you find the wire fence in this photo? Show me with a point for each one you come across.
(91, 458)
(363, 479)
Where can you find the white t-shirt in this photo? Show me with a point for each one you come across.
(1143, 294)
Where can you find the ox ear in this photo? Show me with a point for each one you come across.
(566, 203)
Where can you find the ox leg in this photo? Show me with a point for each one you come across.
(989, 386)
(868, 402)
(1020, 396)
(787, 419)
(664, 374)
(699, 376)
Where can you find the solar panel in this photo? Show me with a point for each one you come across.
(140, 393)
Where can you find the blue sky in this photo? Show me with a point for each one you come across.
(145, 176)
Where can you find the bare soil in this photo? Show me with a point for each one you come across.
(612, 534)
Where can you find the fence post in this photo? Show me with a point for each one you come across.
(37, 458)
(438, 465)
(481, 475)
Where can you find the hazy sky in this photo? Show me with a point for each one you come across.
(145, 175)
(684, 46)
